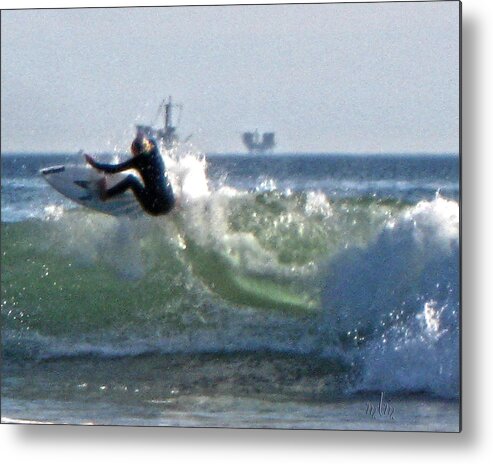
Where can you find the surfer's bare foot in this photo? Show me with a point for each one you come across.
(101, 185)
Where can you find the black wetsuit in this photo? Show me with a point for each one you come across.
(156, 195)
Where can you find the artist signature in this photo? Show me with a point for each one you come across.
(382, 409)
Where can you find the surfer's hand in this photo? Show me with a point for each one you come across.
(89, 159)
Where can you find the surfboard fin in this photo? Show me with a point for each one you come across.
(82, 183)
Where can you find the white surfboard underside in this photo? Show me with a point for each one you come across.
(79, 183)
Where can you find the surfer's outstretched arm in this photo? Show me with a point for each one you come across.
(111, 168)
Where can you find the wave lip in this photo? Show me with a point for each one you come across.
(395, 304)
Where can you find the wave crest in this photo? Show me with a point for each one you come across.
(395, 304)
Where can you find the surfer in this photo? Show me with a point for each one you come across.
(156, 195)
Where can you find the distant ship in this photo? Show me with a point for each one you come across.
(167, 135)
(256, 145)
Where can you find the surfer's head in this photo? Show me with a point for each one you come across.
(140, 145)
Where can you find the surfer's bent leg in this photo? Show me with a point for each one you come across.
(130, 182)
(150, 202)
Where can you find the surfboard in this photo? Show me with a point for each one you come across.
(79, 184)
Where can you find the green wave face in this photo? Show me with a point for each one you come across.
(84, 272)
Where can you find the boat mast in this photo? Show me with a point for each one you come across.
(167, 113)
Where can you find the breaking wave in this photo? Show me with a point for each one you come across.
(372, 283)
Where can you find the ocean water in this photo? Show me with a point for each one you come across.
(285, 291)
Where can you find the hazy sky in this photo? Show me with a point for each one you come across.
(326, 78)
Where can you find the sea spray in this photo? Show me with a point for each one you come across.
(395, 305)
(239, 267)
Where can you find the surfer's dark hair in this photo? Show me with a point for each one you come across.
(140, 145)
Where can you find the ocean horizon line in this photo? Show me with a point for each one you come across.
(247, 154)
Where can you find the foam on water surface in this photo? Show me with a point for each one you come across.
(370, 282)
